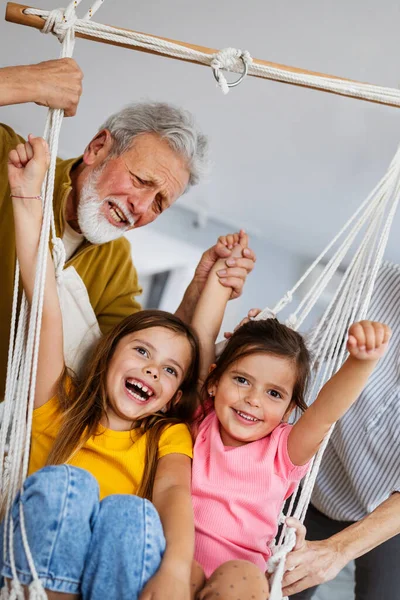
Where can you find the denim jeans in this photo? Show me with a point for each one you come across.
(106, 549)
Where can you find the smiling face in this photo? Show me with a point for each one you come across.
(253, 396)
(131, 190)
(145, 374)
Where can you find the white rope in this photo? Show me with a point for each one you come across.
(364, 91)
(349, 304)
(228, 59)
(374, 217)
(25, 337)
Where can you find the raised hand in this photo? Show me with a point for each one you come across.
(27, 166)
(238, 264)
(368, 340)
(58, 84)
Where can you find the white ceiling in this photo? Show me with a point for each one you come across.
(289, 163)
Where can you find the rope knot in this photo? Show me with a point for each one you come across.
(6, 478)
(265, 314)
(16, 593)
(291, 321)
(36, 591)
(59, 22)
(279, 552)
(230, 59)
(59, 256)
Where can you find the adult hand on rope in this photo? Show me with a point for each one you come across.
(57, 84)
(311, 563)
(27, 165)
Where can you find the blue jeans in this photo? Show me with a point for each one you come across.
(106, 549)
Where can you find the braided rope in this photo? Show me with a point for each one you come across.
(227, 58)
(25, 337)
(375, 215)
(350, 303)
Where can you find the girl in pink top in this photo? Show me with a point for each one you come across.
(247, 458)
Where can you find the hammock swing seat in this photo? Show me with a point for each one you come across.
(360, 244)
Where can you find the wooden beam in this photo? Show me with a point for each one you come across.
(15, 14)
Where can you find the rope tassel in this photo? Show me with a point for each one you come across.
(36, 591)
(4, 595)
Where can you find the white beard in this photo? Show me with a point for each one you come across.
(93, 224)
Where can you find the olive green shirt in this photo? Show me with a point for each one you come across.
(106, 270)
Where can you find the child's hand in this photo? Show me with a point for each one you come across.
(368, 340)
(253, 312)
(27, 166)
(166, 586)
(230, 268)
(236, 242)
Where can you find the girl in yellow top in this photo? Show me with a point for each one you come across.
(113, 441)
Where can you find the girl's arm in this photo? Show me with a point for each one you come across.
(172, 499)
(366, 344)
(27, 166)
(211, 305)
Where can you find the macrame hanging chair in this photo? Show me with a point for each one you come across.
(360, 244)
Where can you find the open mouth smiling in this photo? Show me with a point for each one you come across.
(117, 214)
(246, 416)
(138, 389)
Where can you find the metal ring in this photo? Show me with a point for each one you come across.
(242, 76)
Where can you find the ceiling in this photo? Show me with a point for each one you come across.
(290, 164)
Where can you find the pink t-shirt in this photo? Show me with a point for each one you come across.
(238, 493)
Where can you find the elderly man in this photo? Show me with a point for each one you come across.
(355, 511)
(138, 164)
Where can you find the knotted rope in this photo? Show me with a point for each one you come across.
(350, 302)
(228, 59)
(364, 91)
(25, 337)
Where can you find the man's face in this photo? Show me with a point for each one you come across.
(130, 190)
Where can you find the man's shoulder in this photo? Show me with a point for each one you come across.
(8, 138)
(122, 245)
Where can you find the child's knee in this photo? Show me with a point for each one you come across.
(236, 580)
(57, 482)
(130, 518)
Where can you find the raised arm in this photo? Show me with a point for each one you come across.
(27, 166)
(172, 499)
(54, 83)
(367, 343)
(212, 303)
(232, 274)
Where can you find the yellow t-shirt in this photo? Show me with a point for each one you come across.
(114, 458)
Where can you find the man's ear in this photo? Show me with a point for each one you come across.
(98, 149)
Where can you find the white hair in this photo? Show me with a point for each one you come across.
(174, 125)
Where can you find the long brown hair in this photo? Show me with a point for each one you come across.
(84, 402)
(270, 337)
